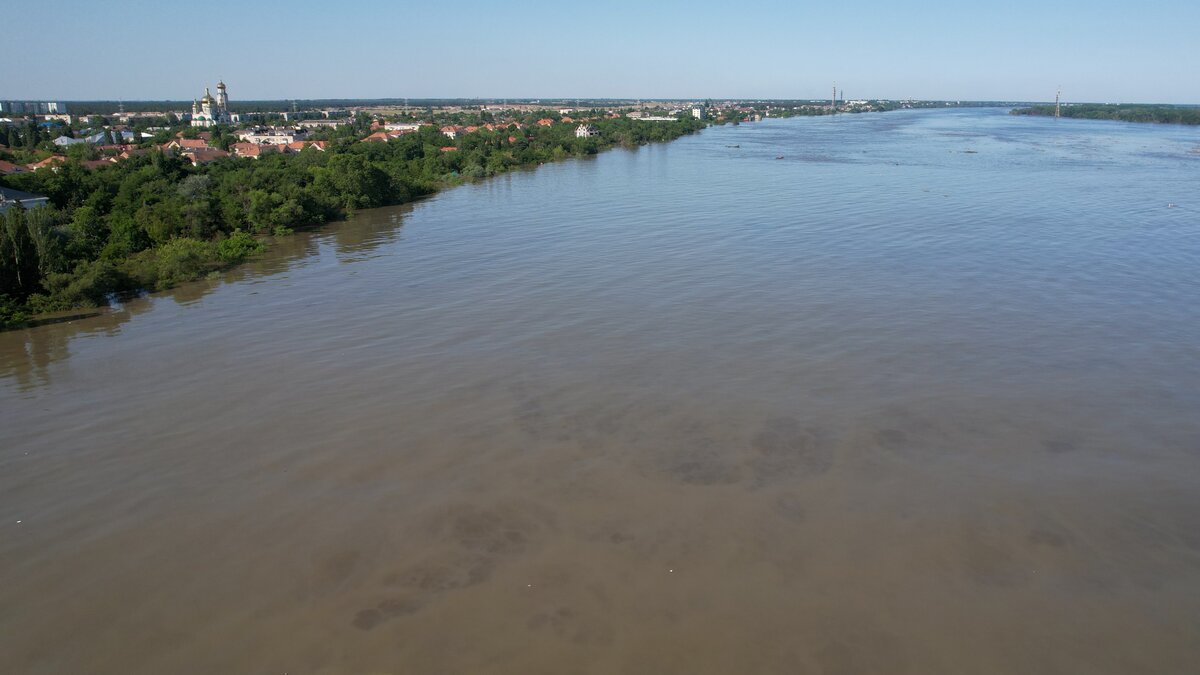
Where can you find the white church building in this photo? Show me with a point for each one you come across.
(210, 111)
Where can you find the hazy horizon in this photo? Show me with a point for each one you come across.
(583, 99)
(1023, 51)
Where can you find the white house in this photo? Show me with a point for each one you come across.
(586, 131)
(272, 135)
(406, 127)
(323, 124)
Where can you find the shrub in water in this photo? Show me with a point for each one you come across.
(239, 246)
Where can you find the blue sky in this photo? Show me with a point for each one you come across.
(1020, 50)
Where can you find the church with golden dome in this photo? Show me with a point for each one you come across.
(210, 111)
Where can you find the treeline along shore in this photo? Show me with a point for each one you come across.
(155, 218)
(1160, 114)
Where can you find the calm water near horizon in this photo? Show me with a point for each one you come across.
(919, 397)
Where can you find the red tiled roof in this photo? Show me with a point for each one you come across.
(449, 148)
(9, 167)
(204, 156)
(49, 161)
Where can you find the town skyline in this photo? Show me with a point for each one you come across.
(1022, 52)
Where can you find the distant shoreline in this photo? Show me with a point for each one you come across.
(1153, 114)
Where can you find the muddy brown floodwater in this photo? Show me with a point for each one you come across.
(884, 406)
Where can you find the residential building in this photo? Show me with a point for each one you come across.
(297, 146)
(406, 127)
(198, 157)
(8, 167)
(182, 145)
(50, 162)
(254, 150)
(586, 131)
(699, 113)
(273, 135)
(322, 124)
(27, 200)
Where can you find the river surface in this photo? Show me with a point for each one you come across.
(922, 396)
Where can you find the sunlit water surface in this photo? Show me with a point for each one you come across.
(922, 396)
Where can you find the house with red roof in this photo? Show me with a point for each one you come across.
(50, 162)
(8, 167)
(254, 150)
(198, 157)
(182, 145)
(297, 146)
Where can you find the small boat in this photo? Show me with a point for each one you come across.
(733, 146)
(779, 157)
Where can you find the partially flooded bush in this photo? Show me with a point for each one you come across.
(239, 246)
(184, 259)
(88, 285)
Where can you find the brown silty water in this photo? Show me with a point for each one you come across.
(530, 427)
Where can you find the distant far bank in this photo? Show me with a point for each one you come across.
(253, 106)
(1123, 112)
